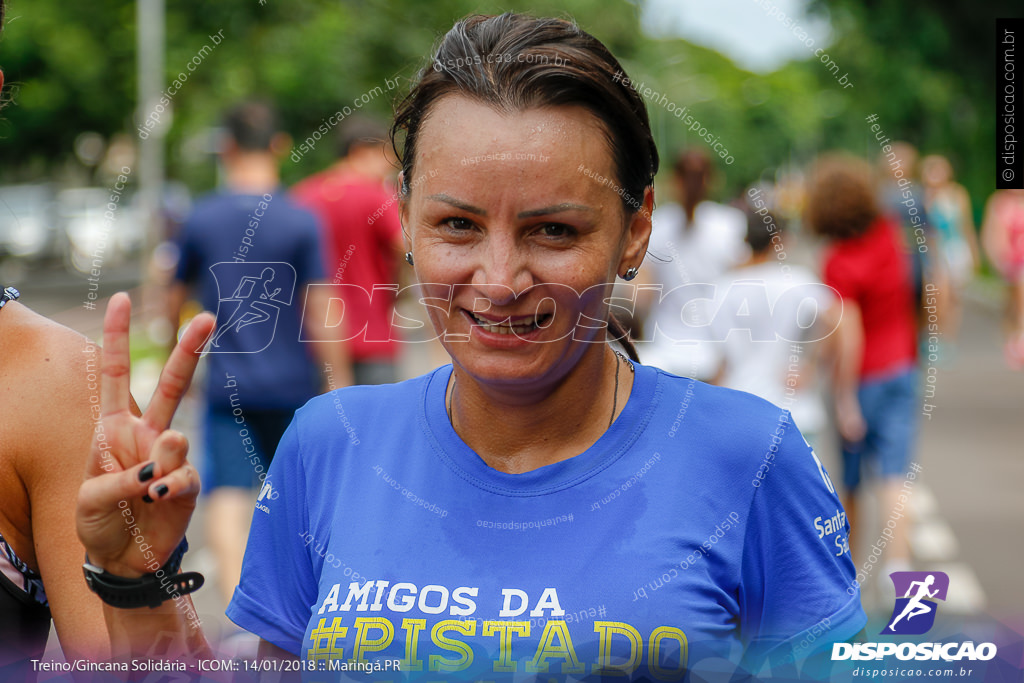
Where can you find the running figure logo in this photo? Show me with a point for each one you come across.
(247, 317)
(914, 613)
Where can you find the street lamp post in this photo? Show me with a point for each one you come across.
(150, 46)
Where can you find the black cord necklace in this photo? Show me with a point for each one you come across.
(450, 400)
(615, 401)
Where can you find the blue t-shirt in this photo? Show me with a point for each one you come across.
(249, 258)
(699, 525)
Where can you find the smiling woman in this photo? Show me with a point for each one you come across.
(538, 418)
(529, 260)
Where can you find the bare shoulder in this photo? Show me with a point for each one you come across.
(49, 401)
(46, 371)
(45, 355)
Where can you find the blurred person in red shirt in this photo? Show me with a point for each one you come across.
(875, 396)
(358, 209)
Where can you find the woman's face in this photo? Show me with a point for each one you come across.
(935, 170)
(509, 213)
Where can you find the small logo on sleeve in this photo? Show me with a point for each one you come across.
(821, 470)
(266, 493)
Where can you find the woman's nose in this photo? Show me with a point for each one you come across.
(502, 273)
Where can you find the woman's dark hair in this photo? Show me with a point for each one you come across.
(515, 62)
(841, 200)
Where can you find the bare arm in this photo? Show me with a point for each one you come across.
(849, 351)
(170, 631)
(268, 650)
(330, 350)
(177, 295)
(967, 226)
(51, 367)
(992, 239)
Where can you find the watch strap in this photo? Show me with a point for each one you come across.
(148, 590)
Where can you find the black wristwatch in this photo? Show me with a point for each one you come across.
(149, 590)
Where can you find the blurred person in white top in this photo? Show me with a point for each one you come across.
(693, 242)
(774, 319)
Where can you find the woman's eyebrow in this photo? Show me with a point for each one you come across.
(532, 213)
(557, 208)
(447, 199)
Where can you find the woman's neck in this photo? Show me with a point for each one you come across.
(517, 431)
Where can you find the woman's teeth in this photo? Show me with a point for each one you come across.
(523, 326)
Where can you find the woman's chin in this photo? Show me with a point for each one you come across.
(518, 364)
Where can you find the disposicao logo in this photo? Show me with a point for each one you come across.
(912, 615)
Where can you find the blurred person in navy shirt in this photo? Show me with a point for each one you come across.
(248, 252)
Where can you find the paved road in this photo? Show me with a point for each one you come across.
(973, 454)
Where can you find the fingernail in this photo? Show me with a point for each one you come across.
(161, 490)
(146, 473)
(146, 498)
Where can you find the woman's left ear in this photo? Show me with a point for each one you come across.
(638, 234)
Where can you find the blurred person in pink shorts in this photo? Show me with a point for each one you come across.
(1002, 237)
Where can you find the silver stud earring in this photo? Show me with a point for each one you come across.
(408, 257)
(631, 273)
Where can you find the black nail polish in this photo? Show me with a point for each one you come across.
(161, 490)
(146, 498)
(146, 473)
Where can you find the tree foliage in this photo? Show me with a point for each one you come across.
(924, 68)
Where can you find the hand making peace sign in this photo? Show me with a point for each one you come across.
(136, 456)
